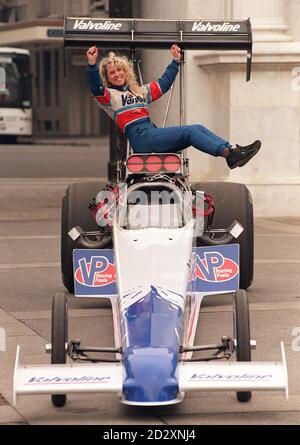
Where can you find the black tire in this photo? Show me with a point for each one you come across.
(75, 212)
(234, 202)
(59, 338)
(241, 328)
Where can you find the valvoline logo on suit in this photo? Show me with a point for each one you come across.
(94, 272)
(215, 269)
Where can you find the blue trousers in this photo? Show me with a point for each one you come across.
(145, 137)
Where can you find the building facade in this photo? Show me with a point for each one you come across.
(266, 108)
(217, 95)
(61, 103)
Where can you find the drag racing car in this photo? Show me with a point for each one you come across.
(155, 246)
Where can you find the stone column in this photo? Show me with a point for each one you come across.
(156, 61)
(267, 16)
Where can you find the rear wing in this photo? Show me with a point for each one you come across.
(131, 34)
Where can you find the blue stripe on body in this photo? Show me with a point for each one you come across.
(151, 328)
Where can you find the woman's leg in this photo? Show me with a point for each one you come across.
(148, 139)
(207, 141)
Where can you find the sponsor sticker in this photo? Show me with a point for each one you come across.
(96, 25)
(215, 27)
(94, 272)
(230, 377)
(65, 380)
(215, 269)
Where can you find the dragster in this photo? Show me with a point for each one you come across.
(160, 245)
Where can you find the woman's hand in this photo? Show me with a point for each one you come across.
(176, 52)
(92, 55)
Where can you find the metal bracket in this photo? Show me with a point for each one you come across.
(249, 64)
(249, 51)
(77, 352)
(223, 350)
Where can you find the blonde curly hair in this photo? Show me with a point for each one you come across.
(126, 64)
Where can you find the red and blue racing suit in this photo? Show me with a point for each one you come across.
(130, 111)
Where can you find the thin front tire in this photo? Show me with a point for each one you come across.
(59, 338)
(241, 327)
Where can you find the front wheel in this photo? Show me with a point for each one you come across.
(59, 338)
(241, 331)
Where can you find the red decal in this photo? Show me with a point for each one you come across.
(103, 278)
(227, 271)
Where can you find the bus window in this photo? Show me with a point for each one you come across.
(16, 92)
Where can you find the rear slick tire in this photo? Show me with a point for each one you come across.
(234, 202)
(75, 212)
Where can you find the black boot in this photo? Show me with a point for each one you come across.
(239, 156)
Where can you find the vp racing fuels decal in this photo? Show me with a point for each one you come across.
(212, 269)
(94, 272)
(215, 269)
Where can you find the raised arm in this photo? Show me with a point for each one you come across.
(97, 88)
(156, 89)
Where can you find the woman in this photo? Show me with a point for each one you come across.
(116, 91)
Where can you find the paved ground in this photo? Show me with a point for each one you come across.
(55, 157)
(30, 275)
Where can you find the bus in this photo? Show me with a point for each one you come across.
(15, 94)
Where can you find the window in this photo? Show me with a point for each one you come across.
(56, 76)
(48, 125)
(16, 90)
(99, 7)
(37, 77)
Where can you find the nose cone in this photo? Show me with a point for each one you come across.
(150, 375)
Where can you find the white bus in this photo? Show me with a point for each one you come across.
(15, 93)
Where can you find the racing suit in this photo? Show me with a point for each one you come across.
(131, 113)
